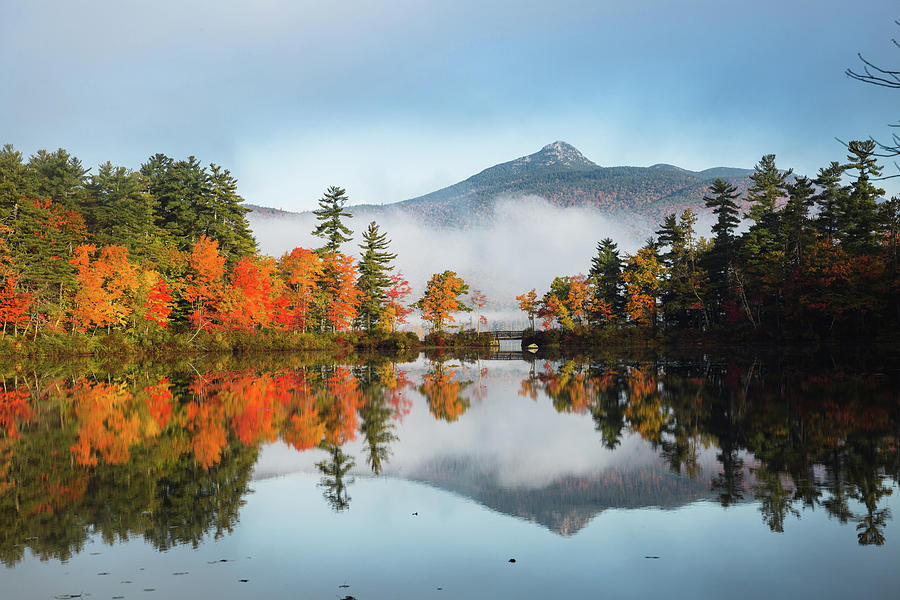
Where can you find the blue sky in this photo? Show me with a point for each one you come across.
(395, 99)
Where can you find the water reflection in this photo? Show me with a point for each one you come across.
(167, 452)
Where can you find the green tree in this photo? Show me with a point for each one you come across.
(60, 177)
(374, 276)
(331, 228)
(831, 200)
(722, 202)
(192, 201)
(682, 302)
(606, 276)
(120, 210)
(769, 185)
(797, 234)
(718, 260)
(226, 220)
(861, 214)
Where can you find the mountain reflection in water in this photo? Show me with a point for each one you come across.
(168, 452)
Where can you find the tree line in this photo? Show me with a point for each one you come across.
(168, 248)
(812, 258)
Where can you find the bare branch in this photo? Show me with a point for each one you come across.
(887, 78)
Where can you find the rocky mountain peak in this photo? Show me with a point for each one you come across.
(559, 153)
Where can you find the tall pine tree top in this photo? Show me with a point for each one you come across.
(722, 202)
(768, 186)
(330, 228)
(861, 214)
(831, 199)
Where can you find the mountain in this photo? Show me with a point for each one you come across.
(561, 175)
(568, 503)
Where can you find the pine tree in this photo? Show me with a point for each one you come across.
(192, 201)
(374, 276)
(60, 178)
(769, 184)
(330, 212)
(226, 220)
(831, 200)
(668, 235)
(721, 201)
(119, 210)
(606, 275)
(861, 215)
(718, 260)
(796, 223)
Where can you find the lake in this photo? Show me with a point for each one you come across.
(301, 476)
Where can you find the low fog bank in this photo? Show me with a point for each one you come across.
(526, 245)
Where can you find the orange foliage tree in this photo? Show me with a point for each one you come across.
(642, 284)
(528, 303)
(300, 269)
(204, 281)
(248, 302)
(106, 286)
(338, 289)
(441, 299)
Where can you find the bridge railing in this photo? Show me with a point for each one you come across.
(507, 335)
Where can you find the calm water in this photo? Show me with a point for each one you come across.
(295, 477)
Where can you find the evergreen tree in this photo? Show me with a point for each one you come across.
(38, 235)
(763, 244)
(719, 259)
(330, 212)
(831, 200)
(796, 223)
(721, 201)
(606, 275)
(374, 276)
(769, 184)
(668, 235)
(227, 222)
(682, 302)
(192, 201)
(181, 190)
(861, 215)
(60, 178)
(120, 211)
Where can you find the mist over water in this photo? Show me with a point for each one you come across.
(526, 244)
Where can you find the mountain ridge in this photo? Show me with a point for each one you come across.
(564, 177)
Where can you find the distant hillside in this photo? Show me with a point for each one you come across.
(560, 174)
(266, 211)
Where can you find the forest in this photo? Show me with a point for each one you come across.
(163, 257)
(812, 260)
(165, 253)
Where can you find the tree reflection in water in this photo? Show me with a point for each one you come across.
(815, 436)
(166, 453)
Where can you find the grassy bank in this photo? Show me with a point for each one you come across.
(162, 344)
